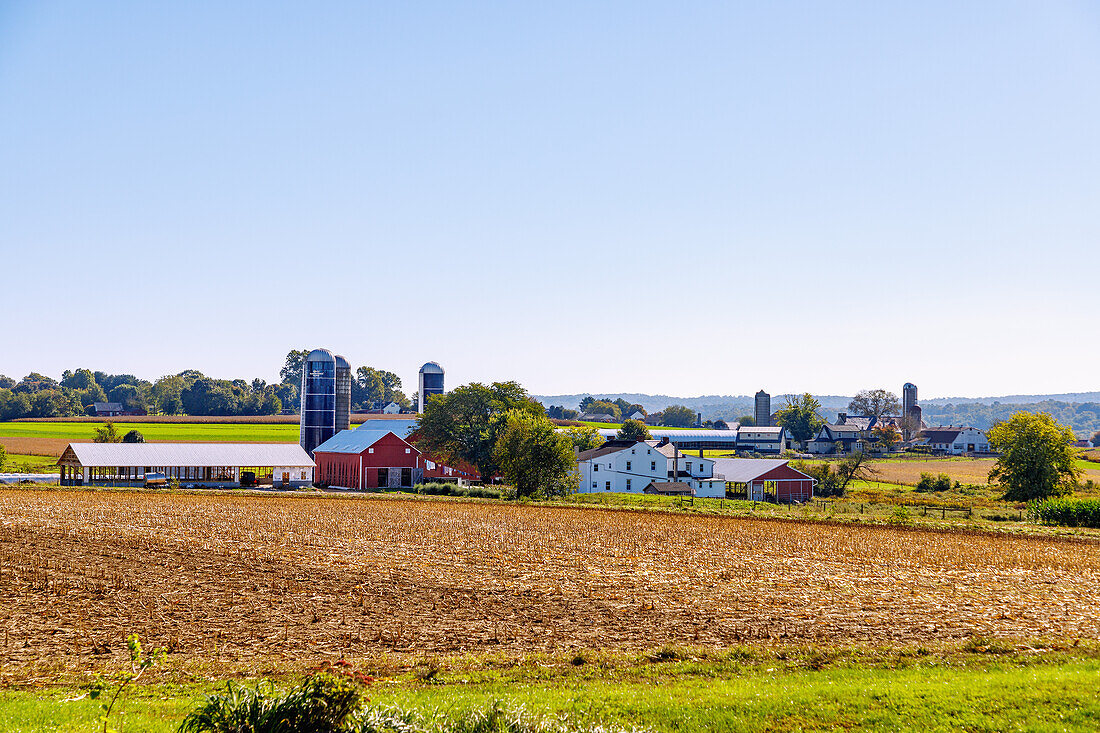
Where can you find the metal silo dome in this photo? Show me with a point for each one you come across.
(432, 367)
(430, 383)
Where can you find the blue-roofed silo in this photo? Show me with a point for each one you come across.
(318, 422)
(431, 383)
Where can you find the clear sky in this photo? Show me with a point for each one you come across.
(676, 198)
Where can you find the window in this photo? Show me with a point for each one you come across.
(408, 450)
(653, 465)
(593, 484)
(370, 450)
(607, 486)
(689, 466)
(628, 484)
(628, 465)
(631, 451)
(596, 467)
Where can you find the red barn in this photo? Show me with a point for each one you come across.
(373, 459)
(765, 479)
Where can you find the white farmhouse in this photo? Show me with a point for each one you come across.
(625, 466)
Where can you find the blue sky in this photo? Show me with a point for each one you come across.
(665, 198)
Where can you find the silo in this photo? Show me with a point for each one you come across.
(763, 412)
(908, 398)
(343, 393)
(318, 399)
(431, 382)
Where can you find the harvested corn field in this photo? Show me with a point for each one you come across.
(268, 583)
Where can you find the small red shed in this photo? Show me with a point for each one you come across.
(764, 478)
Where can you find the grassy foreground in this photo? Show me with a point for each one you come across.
(973, 692)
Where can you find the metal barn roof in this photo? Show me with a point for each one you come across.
(352, 441)
(743, 470)
(91, 455)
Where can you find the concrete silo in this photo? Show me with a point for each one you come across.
(431, 382)
(343, 393)
(763, 413)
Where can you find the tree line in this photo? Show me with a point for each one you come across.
(188, 393)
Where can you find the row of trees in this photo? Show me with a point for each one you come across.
(188, 393)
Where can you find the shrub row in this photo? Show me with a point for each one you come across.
(928, 482)
(1066, 512)
(444, 488)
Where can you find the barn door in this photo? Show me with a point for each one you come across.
(394, 478)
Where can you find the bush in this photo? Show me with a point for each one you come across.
(443, 488)
(1066, 512)
(323, 703)
(928, 482)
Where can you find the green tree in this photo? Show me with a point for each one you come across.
(800, 417)
(291, 372)
(533, 457)
(131, 437)
(746, 421)
(1037, 457)
(165, 394)
(464, 424)
(877, 402)
(584, 437)
(604, 407)
(107, 434)
(633, 430)
(678, 416)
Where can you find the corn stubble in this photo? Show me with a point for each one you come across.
(285, 582)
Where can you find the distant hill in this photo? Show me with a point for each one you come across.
(1079, 410)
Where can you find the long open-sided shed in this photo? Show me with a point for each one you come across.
(764, 478)
(207, 464)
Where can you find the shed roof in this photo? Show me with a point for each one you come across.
(353, 441)
(93, 455)
(107, 406)
(670, 487)
(743, 470)
(941, 435)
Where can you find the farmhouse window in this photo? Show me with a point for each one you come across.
(628, 465)
(653, 465)
(607, 485)
(370, 450)
(596, 467)
(593, 484)
(408, 450)
(628, 484)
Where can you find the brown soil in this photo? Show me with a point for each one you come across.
(269, 583)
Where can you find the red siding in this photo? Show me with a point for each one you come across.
(791, 485)
(342, 469)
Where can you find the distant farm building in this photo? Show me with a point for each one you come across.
(954, 441)
(692, 439)
(756, 439)
(206, 464)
